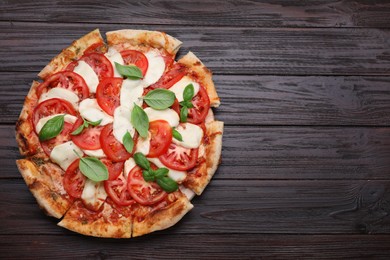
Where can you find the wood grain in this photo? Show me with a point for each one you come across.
(259, 51)
(290, 13)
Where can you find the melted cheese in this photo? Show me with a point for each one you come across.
(99, 153)
(113, 56)
(61, 93)
(143, 145)
(178, 87)
(88, 74)
(122, 124)
(192, 135)
(186, 191)
(68, 118)
(93, 194)
(168, 115)
(129, 165)
(131, 92)
(91, 111)
(156, 68)
(177, 176)
(64, 154)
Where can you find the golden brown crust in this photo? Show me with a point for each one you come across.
(74, 51)
(123, 39)
(45, 183)
(204, 76)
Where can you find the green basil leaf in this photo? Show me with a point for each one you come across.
(167, 184)
(187, 104)
(93, 169)
(52, 128)
(161, 172)
(128, 142)
(160, 98)
(130, 71)
(177, 135)
(188, 92)
(141, 161)
(140, 121)
(183, 114)
(148, 175)
(96, 123)
(78, 130)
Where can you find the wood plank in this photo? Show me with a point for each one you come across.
(217, 246)
(280, 153)
(260, 51)
(242, 206)
(320, 13)
(265, 100)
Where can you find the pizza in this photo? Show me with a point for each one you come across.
(118, 137)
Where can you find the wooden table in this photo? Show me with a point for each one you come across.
(305, 92)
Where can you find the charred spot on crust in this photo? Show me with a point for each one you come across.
(38, 161)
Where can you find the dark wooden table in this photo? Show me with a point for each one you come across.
(305, 92)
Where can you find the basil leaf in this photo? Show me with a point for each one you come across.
(148, 175)
(160, 98)
(78, 130)
(128, 142)
(187, 104)
(188, 92)
(183, 114)
(167, 184)
(52, 128)
(140, 121)
(141, 161)
(93, 169)
(96, 123)
(161, 172)
(130, 71)
(177, 135)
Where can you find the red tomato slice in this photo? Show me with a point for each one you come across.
(98, 62)
(51, 107)
(89, 138)
(74, 180)
(98, 47)
(108, 94)
(114, 168)
(63, 137)
(67, 80)
(118, 191)
(201, 102)
(132, 57)
(171, 77)
(179, 158)
(161, 137)
(112, 148)
(145, 193)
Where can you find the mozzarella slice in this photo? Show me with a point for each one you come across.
(64, 154)
(143, 145)
(90, 110)
(88, 74)
(129, 165)
(68, 118)
(61, 93)
(156, 67)
(131, 92)
(192, 135)
(178, 87)
(113, 56)
(188, 192)
(99, 153)
(93, 194)
(177, 176)
(122, 124)
(168, 115)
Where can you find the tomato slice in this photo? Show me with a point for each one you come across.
(145, 193)
(108, 94)
(118, 191)
(98, 62)
(114, 168)
(98, 47)
(132, 57)
(67, 80)
(51, 107)
(201, 102)
(74, 180)
(179, 158)
(161, 137)
(63, 137)
(89, 138)
(171, 77)
(111, 147)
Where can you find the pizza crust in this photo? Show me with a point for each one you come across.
(160, 40)
(74, 51)
(204, 76)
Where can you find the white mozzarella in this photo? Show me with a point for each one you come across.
(93, 194)
(178, 87)
(122, 124)
(143, 145)
(168, 115)
(68, 118)
(99, 153)
(188, 192)
(91, 111)
(88, 74)
(113, 56)
(61, 93)
(177, 176)
(131, 92)
(64, 154)
(129, 165)
(192, 135)
(156, 68)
